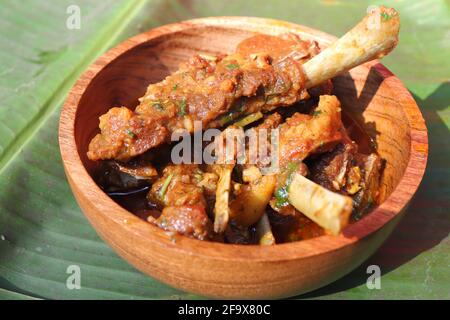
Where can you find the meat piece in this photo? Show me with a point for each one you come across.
(117, 177)
(251, 198)
(303, 135)
(331, 169)
(259, 151)
(180, 192)
(280, 202)
(138, 171)
(279, 47)
(178, 186)
(371, 167)
(203, 89)
(303, 229)
(188, 220)
(348, 172)
(300, 135)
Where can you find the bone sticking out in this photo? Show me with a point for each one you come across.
(221, 207)
(372, 38)
(329, 210)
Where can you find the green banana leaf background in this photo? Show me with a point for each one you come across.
(42, 230)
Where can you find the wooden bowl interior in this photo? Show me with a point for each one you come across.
(362, 92)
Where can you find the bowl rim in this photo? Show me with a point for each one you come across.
(385, 212)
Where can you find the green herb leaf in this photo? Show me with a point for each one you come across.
(166, 183)
(385, 16)
(158, 106)
(130, 133)
(282, 193)
(175, 87)
(291, 167)
(198, 175)
(316, 113)
(281, 197)
(182, 112)
(232, 66)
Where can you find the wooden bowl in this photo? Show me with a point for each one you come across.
(371, 93)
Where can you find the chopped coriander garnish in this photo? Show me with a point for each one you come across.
(281, 197)
(158, 106)
(291, 167)
(282, 193)
(316, 113)
(130, 133)
(198, 175)
(182, 112)
(232, 66)
(386, 16)
(175, 87)
(166, 183)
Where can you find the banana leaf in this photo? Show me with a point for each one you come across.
(42, 230)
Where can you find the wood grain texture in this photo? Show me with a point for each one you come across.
(372, 94)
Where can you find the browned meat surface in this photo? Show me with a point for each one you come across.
(279, 47)
(117, 177)
(263, 159)
(147, 172)
(279, 202)
(243, 197)
(204, 89)
(303, 135)
(181, 185)
(371, 167)
(182, 193)
(272, 121)
(348, 172)
(331, 169)
(188, 220)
